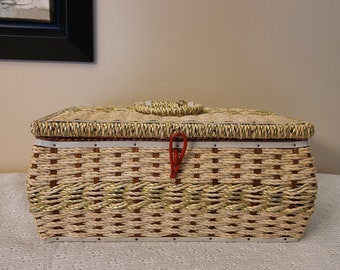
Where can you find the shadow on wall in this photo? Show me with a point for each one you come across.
(324, 150)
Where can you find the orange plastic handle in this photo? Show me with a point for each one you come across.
(176, 158)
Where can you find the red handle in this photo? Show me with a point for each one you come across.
(175, 157)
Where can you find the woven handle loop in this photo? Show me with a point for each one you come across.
(168, 108)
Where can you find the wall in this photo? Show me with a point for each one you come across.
(274, 55)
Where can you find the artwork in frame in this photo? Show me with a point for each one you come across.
(53, 30)
(27, 10)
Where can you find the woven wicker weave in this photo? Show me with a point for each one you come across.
(125, 192)
(168, 108)
(127, 123)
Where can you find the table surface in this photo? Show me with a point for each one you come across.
(21, 248)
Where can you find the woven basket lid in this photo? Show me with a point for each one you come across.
(158, 120)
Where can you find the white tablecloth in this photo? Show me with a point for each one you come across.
(21, 248)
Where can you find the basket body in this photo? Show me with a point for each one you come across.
(98, 188)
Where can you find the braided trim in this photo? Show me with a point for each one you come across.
(166, 108)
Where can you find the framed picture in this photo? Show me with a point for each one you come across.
(53, 30)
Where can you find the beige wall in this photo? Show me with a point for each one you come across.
(282, 56)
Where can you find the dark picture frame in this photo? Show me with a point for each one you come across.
(69, 37)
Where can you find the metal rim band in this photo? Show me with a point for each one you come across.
(171, 239)
(162, 144)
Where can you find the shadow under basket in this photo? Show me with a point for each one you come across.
(123, 174)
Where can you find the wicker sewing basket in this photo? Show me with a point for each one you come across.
(171, 171)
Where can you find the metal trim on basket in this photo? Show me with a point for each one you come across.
(161, 144)
(171, 239)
